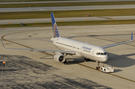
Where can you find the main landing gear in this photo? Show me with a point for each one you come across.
(98, 67)
(65, 59)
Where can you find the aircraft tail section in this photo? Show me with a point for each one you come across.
(54, 26)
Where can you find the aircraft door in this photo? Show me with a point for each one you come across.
(93, 52)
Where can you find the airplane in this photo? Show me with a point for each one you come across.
(75, 48)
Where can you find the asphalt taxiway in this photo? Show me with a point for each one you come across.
(31, 69)
(63, 8)
(68, 19)
(38, 70)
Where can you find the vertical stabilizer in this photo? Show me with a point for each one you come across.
(54, 26)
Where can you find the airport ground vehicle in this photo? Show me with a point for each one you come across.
(107, 69)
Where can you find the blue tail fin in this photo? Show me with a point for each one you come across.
(54, 26)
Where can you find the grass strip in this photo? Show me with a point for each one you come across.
(65, 4)
(72, 13)
(78, 23)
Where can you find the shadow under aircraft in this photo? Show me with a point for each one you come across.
(120, 60)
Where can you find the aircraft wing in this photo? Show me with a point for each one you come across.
(43, 50)
(112, 45)
(40, 39)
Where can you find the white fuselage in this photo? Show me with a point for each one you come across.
(82, 49)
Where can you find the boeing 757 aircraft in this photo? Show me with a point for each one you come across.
(75, 48)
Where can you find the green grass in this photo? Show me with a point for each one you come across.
(65, 4)
(79, 23)
(72, 13)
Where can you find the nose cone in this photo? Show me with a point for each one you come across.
(104, 59)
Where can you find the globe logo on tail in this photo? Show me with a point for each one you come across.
(56, 32)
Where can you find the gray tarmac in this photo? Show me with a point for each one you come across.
(61, 8)
(38, 70)
(68, 19)
(59, 1)
(22, 72)
(26, 69)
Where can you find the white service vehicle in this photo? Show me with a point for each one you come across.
(107, 69)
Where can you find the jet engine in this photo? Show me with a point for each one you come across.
(59, 57)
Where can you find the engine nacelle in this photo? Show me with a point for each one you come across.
(59, 57)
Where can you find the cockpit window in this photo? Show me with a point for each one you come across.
(98, 53)
(101, 53)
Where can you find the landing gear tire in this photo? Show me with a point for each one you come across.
(65, 61)
(105, 70)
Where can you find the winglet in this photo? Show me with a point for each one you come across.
(54, 26)
(132, 36)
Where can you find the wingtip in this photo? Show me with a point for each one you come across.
(132, 36)
(2, 43)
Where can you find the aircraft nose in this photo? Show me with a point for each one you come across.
(104, 59)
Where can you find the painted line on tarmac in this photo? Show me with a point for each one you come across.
(19, 43)
(108, 73)
(52, 55)
(30, 48)
(87, 66)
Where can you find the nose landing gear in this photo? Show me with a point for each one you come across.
(98, 67)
